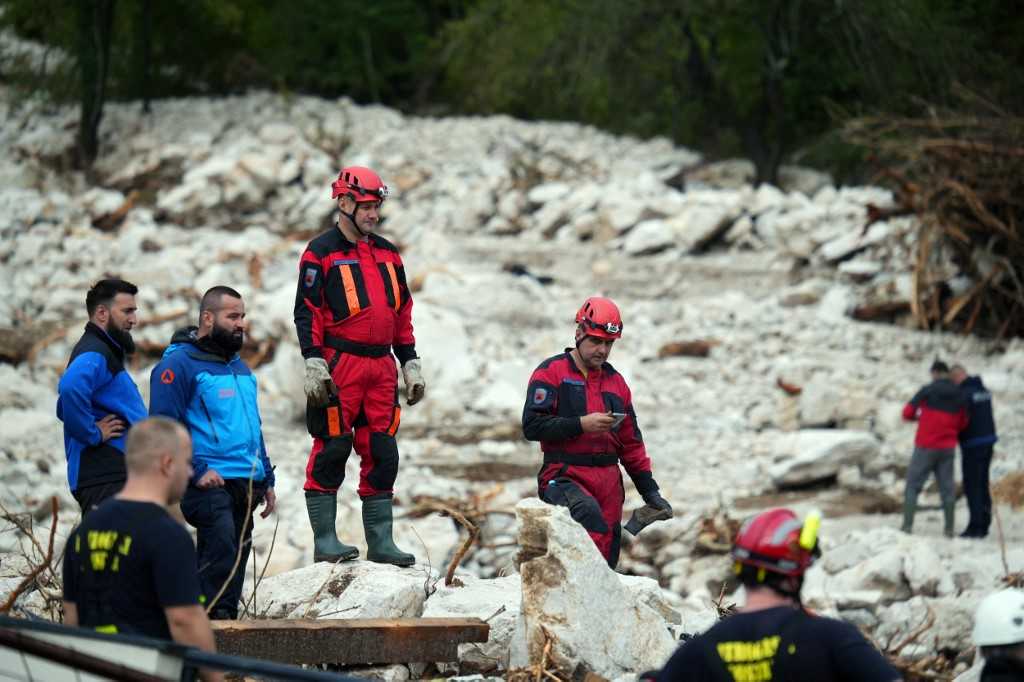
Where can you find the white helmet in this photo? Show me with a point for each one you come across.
(999, 619)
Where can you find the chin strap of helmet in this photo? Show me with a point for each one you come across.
(581, 337)
(352, 219)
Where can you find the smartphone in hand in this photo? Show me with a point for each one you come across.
(618, 416)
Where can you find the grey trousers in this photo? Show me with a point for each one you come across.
(922, 464)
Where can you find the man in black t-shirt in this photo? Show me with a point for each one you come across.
(129, 567)
(773, 638)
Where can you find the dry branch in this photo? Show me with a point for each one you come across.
(962, 174)
(31, 577)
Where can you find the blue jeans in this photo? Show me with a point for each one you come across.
(222, 519)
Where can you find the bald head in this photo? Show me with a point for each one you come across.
(151, 439)
(957, 373)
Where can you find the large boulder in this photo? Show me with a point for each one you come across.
(870, 569)
(356, 589)
(572, 599)
(497, 602)
(812, 455)
(951, 621)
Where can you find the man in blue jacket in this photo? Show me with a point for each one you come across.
(202, 383)
(97, 399)
(976, 443)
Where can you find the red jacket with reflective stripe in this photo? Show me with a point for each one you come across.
(559, 395)
(940, 410)
(353, 291)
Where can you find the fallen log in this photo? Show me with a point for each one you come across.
(349, 641)
(881, 311)
(23, 342)
(698, 348)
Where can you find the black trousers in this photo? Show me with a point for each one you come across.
(976, 462)
(218, 515)
(89, 497)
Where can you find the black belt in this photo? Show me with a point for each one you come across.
(580, 460)
(351, 347)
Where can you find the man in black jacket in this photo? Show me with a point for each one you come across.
(976, 443)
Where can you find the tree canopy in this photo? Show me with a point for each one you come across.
(767, 79)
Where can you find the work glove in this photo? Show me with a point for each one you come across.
(414, 384)
(318, 384)
(656, 508)
(654, 500)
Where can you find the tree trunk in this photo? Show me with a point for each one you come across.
(95, 24)
(371, 70)
(142, 52)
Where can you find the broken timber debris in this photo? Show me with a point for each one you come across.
(349, 640)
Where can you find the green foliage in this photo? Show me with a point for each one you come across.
(759, 78)
(750, 77)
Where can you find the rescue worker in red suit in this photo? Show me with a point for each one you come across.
(353, 310)
(569, 406)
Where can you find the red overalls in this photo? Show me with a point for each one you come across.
(352, 308)
(581, 470)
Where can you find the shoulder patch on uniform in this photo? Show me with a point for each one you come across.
(310, 278)
(167, 376)
(540, 394)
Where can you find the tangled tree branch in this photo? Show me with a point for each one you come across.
(963, 176)
(34, 573)
(934, 666)
(470, 514)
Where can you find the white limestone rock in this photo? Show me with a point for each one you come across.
(353, 589)
(855, 241)
(815, 454)
(98, 201)
(647, 591)
(951, 629)
(566, 582)
(649, 236)
(384, 673)
(703, 218)
(496, 601)
(808, 292)
(836, 304)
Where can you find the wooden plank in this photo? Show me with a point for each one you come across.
(349, 640)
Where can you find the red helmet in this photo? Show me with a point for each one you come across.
(778, 541)
(600, 317)
(361, 182)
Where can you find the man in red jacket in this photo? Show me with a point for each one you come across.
(940, 411)
(581, 411)
(352, 310)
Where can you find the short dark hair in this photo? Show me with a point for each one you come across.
(104, 291)
(211, 299)
(149, 437)
(940, 366)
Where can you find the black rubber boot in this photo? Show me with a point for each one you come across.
(377, 523)
(323, 510)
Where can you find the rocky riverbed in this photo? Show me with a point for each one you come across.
(754, 384)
